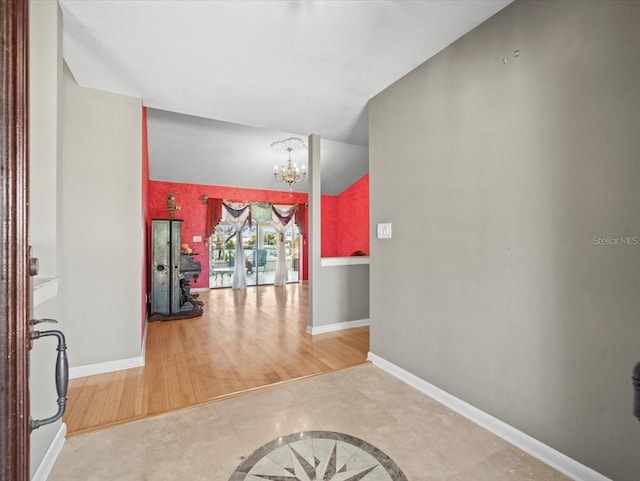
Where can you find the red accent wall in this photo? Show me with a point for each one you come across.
(193, 212)
(345, 218)
(352, 219)
(345, 221)
(329, 226)
(145, 217)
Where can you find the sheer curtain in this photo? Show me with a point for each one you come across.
(237, 215)
(282, 217)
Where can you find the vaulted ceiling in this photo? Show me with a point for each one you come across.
(225, 79)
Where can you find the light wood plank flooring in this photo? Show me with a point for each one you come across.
(245, 340)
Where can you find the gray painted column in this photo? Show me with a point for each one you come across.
(314, 226)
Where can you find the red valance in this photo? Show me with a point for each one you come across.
(214, 215)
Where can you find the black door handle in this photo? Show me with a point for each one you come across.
(62, 377)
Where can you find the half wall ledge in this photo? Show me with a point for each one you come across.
(344, 261)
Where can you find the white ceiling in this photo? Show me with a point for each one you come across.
(185, 148)
(284, 66)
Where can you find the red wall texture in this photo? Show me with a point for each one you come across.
(329, 229)
(193, 212)
(345, 218)
(352, 213)
(345, 221)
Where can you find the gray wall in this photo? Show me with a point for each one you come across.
(344, 294)
(102, 232)
(492, 287)
(45, 79)
(75, 191)
(45, 65)
(336, 293)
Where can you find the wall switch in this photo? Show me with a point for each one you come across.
(384, 231)
(197, 238)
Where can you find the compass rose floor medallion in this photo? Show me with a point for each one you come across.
(318, 456)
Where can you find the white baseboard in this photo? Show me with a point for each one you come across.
(338, 326)
(50, 456)
(200, 289)
(532, 446)
(111, 366)
(104, 367)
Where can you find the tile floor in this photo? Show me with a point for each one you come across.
(427, 441)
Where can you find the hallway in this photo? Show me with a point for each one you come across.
(245, 340)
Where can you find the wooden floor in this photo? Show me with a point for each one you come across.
(245, 340)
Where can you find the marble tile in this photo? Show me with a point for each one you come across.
(512, 464)
(256, 431)
(116, 453)
(343, 451)
(348, 411)
(304, 449)
(259, 404)
(373, 381)
(168, 429)
(196, 448)
(405, 444)
(308, 390)
(452, 444)
(409, 433)
(211, 457)
(378, 474)
(269, 467)
(282, 456)
(321, 455)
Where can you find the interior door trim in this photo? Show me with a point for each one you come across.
(14, 250)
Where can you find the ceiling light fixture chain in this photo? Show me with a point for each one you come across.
(289, 172)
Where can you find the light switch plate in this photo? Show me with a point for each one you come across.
(384, 231)
(197, 238)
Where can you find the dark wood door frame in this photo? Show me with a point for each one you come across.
(14, 249)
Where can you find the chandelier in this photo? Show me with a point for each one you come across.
(289, 172)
